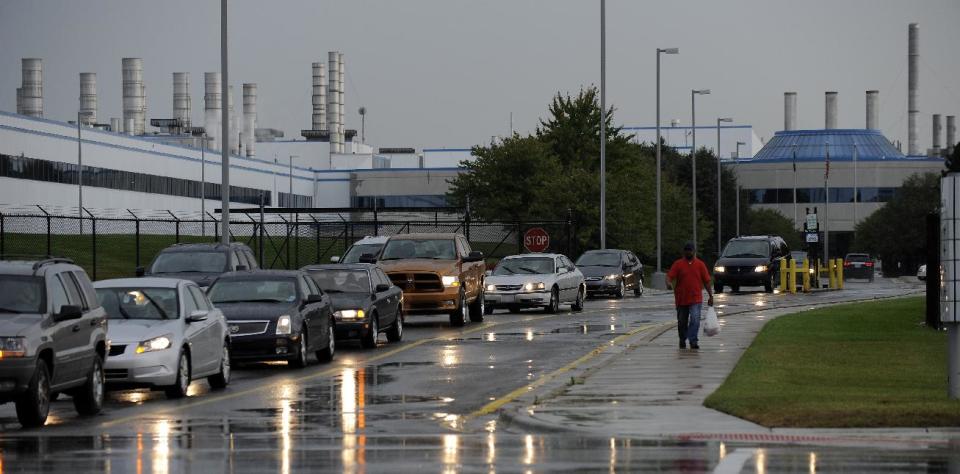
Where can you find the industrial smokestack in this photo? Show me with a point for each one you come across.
(343, 104)
(937, 131)
(873, 110)
(129, 124)
(319, 97)
(249, 118)
(31, 88)
(212, 104)
(234, 130)
(831, 110)
(88, 98)
(134, 95)
(19, 101)
(951, 133)
(913, 79)
(789, 110)
(333, 101)
(182, 105)
(116, 125)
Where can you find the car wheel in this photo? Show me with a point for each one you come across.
(735, 288)
(478, 308)
(458, 317)
(578, 304)
(621, 290)
(299, 360)
(221, 379)
(369, 339)
(34, 404)
(88, 400)
(326, 354)
(554, 303)
(487, 309)
(768, 284)
(638, 290)
(179, 388)
(395, 333)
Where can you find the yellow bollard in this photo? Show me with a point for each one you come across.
(783, 275)
(832, 268)
(792, 279)
(840, 273)
(806, 275)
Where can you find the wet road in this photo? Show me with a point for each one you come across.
(424, 405)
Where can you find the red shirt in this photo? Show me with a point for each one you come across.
(690, 277)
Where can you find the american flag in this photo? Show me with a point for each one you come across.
(826, 172)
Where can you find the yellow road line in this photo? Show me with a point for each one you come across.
(327, 372)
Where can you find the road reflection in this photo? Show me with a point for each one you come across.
(353, 419)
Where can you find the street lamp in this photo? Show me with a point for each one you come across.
(225, 132)
(603, 124)
(737, 167)
(203, 184)
(719, 180)
(659, 279)
(693, 154)
(363, 124)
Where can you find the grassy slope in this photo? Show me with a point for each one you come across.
(859, 365)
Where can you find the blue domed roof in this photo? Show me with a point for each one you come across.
(812, 145)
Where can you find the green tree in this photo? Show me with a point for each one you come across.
(772, 222)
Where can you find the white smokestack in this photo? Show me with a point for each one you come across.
(913, 79)
(134, 95)
(319, 97)
(212, 103)
(789, 110)
(88, 98)
(234, 130)
(343, 105)
(19, 100)
(182, 104)
(116, 125)
(831, 110)
(31, 88)
(249, 118)
(129, 125)
(951, 133)
(937, 131)
(873, 110)
(333, 101)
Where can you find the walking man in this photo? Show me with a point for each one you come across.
(686, 277)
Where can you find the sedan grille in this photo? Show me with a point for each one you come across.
(115, 374)
(509, 287)
(117, 349)
(247, 328)
(417, 282)
(593, 278)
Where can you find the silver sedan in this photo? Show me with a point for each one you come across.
(534, 280)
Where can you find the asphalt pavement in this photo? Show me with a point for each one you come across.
(454, 400)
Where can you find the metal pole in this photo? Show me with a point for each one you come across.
(79, 174)
(736, 165)
(203, 185)
(826, 205)
(856, 153)
(225, 132)
(796, 215)
(719, 179)
(693, 162)
(659, 249)
(603, 124)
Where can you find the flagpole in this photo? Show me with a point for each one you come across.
(796, 218)
(826, 205)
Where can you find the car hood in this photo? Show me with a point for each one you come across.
(18, 324)
(742, 261)
(599, 271)
(202, 279)
(420, 265)
(255, 311)
(546, 279)
(349, 300)
(126, 331)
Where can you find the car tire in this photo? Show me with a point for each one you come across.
(34, 404)
(513, 308)
(554, 303)
(369, 340)
(299, 360)
(735, 288)
(221, 379)
(717, 288)
(638, 290)
(768, 284)
(478, 308)
(458, 317)
(621, 290)
(395, 333)
(182, 382)
(488, 309)
(326, 354)
(578, 303)
(88, 399)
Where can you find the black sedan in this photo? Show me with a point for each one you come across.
(275, 315)
(365, 301)
(611, 272)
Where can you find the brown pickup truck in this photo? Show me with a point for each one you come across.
(438, 273)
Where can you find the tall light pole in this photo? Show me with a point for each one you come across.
(693, 155)
(225, 131)
(719, 187)
(363, 124)
(203, 184)
(290, 197)
(79, 174)
(603, 124)
(659, 279)
(737, 168)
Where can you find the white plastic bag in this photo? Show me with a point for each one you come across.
(711, 326)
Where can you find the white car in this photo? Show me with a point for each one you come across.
(164, 333)
(534, 280)
(922, 272)
(366, 246)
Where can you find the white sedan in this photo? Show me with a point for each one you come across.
(164, 333)
(534, 280)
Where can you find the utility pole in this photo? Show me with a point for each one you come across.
(79, 174)
(603, 124)
(225, 131)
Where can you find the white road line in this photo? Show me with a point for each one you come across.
(733, 463)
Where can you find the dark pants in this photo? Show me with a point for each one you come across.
(688, 322)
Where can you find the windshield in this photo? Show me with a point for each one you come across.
(439, 249)
(357, 250)
(747, 248)
(342, 281)
(254, 291)
(599, 259)
(190, 262)
(523, 266)
(21, 294)
(139, 303)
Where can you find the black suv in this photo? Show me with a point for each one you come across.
(611, 272)
(750, 261)
(53, 338)
(200, 263)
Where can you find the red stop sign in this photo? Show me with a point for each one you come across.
(536, 240)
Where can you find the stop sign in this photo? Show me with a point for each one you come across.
(536, 240)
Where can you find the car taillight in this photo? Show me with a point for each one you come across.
(846, 264)
(869, 264)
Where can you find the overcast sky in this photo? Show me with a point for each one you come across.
(448, 73)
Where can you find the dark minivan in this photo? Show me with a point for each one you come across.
(200, 263)
(750, 261)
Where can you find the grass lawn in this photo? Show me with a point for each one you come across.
(859, 365)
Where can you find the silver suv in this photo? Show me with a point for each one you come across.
(53, 338)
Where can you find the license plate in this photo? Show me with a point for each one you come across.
(857, 265)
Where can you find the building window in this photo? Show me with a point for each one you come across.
(816, 195)
(369, 202)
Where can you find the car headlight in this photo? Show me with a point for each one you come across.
(284, 325)
(534, 286)
(760, 269)
(349, 314)
(12, 347)
(450, 281)
(611, 277)
(491, 288)
(155, 344)
(811, 271)
(719, 269)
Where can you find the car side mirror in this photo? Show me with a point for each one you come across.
(68, 312)
(488, 272)
(311, 299)
(562, 270)
(140, 271)
(198, 315)
(475, 256)
(335, 259)
(382, 287)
